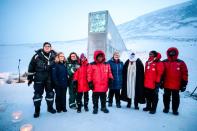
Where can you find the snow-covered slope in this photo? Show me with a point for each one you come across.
(177, 22)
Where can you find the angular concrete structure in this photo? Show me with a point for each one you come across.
(103, 35)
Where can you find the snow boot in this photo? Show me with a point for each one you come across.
(176, 113)
(105, 110)
(51, 110)
(79, 108)
(86, 108)
(148, 106)
(110, 104)
(64, 109)
(152, 111)
(165, 110)
(136, 105)
(95, 111)
(118, 105)
(129, 104)
(37, 112)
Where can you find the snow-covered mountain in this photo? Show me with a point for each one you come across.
(178, 22)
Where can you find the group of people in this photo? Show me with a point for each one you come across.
(128, 81)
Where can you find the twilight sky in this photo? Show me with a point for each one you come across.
(29, 21)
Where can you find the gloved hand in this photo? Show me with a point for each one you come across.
(91, 85)
(183, 89)
(75, 85)
(29, 82)
(183, 85)
(157, 85)
(110, 83)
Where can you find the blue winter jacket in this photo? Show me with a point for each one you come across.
(116, 68)
(60, 75)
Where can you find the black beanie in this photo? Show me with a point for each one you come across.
(154, 53)
(46, 43)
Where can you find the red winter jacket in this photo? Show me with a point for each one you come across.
(81, 77)
(99, 73)
(175, 70)
(153, 72)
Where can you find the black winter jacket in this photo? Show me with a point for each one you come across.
(40, 66)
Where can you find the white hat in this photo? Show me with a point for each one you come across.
(132, 56)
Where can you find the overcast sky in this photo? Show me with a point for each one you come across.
(29, 21)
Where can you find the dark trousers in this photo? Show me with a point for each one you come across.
(115, 92)
(79, 99)
(151, 98)
(129, 102)
(72, 95)
(60, 99)
(39, 88)
(175, 99)
(95, 99)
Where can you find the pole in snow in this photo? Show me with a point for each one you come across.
(19, 79)
(193, 91)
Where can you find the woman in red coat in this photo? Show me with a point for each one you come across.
(153, 72)
(99, 80)
(81, 83)
(175, 79)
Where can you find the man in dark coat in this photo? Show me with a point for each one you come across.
(133, 85)
(39, 71)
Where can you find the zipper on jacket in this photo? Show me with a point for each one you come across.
(117, 72)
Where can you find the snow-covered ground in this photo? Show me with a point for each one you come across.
(18, 97)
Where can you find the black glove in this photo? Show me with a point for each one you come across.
(183, 89)
(183, 85)
(157, 85)
(110, 83)
(91, 85)
(75, 85)
(29, 82)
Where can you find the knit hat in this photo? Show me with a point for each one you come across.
(47, 43)
(82, 56)
(154, 53)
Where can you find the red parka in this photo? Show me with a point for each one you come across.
(81, 77)
(175, 71)
(99, 73)
(153, 71)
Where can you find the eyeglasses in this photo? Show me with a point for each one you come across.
(47, 46)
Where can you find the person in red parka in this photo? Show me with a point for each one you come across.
(152, 78)
(175, 78)
(99, 80)
(80, 83)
